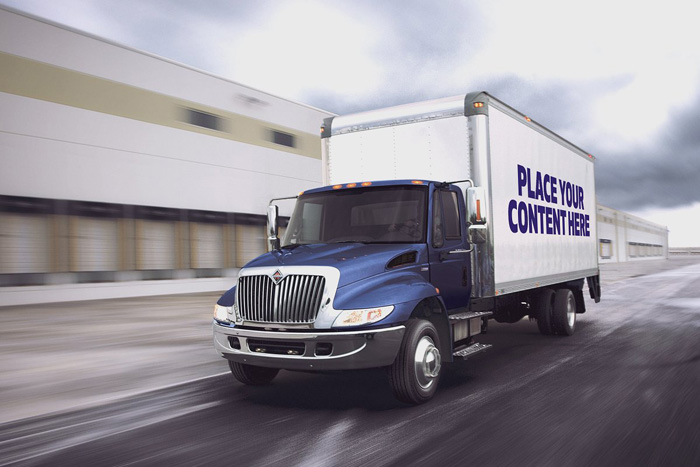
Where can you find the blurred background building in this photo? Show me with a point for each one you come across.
(126, 174)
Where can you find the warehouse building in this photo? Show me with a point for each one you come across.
(125, 174)
(624, 237)
(123, 168)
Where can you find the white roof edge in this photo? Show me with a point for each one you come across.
(405, 113)
(152, 55)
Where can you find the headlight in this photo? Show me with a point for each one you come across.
(364, 316)
(221, 313)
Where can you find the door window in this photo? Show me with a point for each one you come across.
(451, 214)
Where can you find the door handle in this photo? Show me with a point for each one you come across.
(445, 254)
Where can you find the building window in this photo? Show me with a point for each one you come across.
(283, 139)
(204, 119)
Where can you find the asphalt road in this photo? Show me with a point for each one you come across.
(624, 390)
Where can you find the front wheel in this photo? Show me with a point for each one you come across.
(415, 373)
(252, 375)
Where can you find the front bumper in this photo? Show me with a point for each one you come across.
(309, 350)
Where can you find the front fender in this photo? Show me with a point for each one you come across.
(403, 289)
(228, 298)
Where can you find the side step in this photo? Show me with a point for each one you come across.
(471, 350)
(470, 314)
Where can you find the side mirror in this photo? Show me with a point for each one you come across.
(273, 242)
(476, 206)
(477, 234)
(477, 215)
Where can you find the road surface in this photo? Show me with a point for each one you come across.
(624, 390)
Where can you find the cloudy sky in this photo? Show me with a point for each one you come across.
(620, 79)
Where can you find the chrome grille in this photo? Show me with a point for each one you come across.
(296, 299)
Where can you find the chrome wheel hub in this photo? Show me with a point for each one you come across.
(427, 362)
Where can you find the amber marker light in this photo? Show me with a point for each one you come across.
(351, 185)
(478, 105)
(337, 187)
(528, 119)
(437, 290)
(417, 182)
(366, 183)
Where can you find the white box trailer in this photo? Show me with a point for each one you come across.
(539, 203)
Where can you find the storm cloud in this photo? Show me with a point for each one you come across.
(663, 175)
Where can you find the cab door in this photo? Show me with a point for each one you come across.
(450, 267)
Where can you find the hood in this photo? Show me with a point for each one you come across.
(355, 261)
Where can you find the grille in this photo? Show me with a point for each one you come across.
(296, 299)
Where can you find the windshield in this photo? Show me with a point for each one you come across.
(392, 214)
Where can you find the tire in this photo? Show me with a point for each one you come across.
(252, 375)
(545, 303)
(564, 312)
(415, 374)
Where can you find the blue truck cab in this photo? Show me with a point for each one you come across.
(368, 274)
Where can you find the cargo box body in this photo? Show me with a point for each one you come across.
(540, 202)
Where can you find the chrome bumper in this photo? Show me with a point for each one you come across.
(313, 350)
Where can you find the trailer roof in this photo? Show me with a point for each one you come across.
(474, 103)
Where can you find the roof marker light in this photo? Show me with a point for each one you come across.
(351, 185)
(417, 182)
(337, 187)
(366, 183)
(528, 118)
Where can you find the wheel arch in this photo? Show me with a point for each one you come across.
(433, 309)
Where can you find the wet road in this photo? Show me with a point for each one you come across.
(624, 390)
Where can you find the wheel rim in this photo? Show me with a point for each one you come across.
(427, 362)
(571, 311)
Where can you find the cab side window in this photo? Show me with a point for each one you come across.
(450, 209)
(446, 224)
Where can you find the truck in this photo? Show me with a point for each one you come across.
(435, 218)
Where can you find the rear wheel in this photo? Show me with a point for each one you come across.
(415, 373)
(564, 312)
(252, 375)
(545, 303)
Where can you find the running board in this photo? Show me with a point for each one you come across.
(471, 350)
(470, 314)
